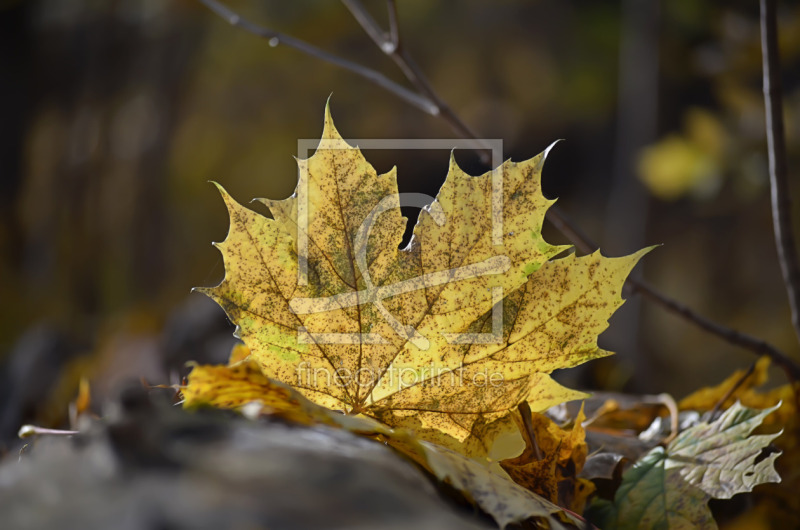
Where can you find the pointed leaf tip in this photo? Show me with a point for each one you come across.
(230, 202)
(329, 131)
(220, 188)
(550, 148)
(453, 164)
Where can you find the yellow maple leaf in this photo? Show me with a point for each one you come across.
(445, 336)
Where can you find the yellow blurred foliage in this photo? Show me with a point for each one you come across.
(688, 163)
(707, 398)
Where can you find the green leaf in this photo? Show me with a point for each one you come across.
(670, 488)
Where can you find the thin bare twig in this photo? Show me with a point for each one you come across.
(276, 38)
(26, 431)
(393, 47)
(731, 391)
(778, 173)
(578, 237)
(394, 28)
(428, 101)
(368, 24)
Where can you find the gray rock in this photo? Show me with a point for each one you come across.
(154, 467)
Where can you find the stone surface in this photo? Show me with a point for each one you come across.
(157, 467)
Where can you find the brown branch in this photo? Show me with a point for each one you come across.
(428, 101)
(778, 173)
(743, 340)
(571, 231)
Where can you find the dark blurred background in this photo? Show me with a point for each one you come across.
(115, 115)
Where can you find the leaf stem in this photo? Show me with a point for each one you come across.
(778, 173)
(529, 434)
